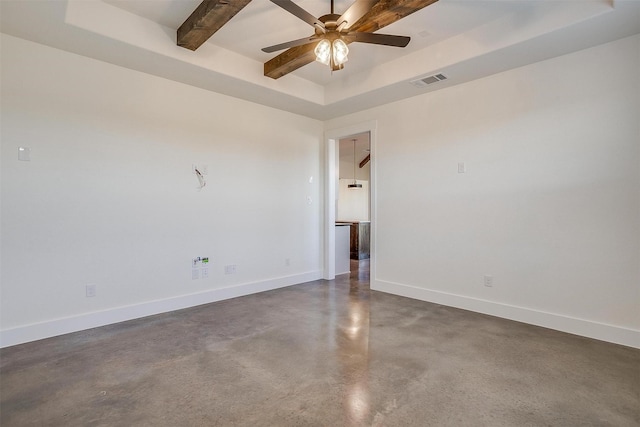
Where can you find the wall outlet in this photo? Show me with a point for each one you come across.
(230, 269)
(488, 281)
(90, 291)
(205, 273)
(462, 168)
(199, 262)
(195, 274)
(24, 154)
(287, 262)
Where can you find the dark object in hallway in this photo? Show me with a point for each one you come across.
(325, 353)
(360, 237)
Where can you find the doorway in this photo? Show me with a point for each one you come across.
(339, 172)
(353, 208)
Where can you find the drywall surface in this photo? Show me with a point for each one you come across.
(109, 197)
(353, 203)
(346, 168)
(549, 205)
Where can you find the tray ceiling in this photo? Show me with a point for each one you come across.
(464, 39)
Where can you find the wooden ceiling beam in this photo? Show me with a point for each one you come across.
(208, 18)
(386, 12)
(383, 13)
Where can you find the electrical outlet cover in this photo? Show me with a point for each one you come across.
(90, 291)
(24, 154)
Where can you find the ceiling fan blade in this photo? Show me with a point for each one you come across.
(292, 43)
(289, 60)
(296, 10)
(383, 39)
(356, 11)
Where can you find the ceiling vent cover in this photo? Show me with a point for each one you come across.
(425, 81)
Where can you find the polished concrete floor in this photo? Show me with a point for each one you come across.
(320, 354)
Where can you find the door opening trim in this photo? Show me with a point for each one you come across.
(332, 137)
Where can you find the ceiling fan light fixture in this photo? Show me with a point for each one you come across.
(333, 53)
(323, 51)
(339, 52)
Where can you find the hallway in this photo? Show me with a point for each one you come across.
(324, 353)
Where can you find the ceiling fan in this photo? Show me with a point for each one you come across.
(333, 32)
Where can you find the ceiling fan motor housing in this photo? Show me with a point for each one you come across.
(330, 22)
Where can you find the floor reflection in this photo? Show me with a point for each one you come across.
(353, 345)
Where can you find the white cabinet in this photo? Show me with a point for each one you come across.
(343, 232)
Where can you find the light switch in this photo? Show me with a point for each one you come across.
(24, 154)
(462, 168)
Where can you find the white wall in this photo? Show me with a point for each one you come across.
(346, 169)
(109, 198)
(550, 203)
(353, 203)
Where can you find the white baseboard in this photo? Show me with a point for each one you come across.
(582, 327)
(51, 328)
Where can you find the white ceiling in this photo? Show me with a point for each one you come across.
(464, 39)
(262, 24)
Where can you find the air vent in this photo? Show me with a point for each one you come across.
(425, 81)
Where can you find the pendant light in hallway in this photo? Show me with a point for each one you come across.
(355, 184)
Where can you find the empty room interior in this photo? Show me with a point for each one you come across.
(317, 212)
